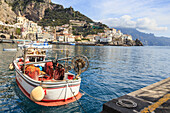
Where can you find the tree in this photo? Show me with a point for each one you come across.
(12, 36)
(18, 31)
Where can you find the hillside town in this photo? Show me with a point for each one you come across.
(29, 30)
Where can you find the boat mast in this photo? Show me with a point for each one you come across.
(24, 58)
(67, 55)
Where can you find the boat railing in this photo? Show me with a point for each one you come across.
(46, 61)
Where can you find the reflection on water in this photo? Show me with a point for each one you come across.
(113, 72)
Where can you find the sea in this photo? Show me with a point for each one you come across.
(113, 72)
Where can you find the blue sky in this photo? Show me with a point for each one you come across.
(150, 16)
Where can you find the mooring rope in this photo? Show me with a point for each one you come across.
(76, 99)
(93, 97)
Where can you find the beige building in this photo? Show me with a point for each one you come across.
(77, 22)
(78, 37)
(113, 30)
(91, 38)
(45, 36)
(21, 20)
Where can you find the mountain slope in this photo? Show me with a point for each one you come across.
(147, 39)
(45, 12)
(6, 13)
(59, 16)
(31, 9)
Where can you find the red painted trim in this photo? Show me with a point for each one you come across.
(63, 87)
(57, 100)
(59, 103)
(22, 89)
(74, 85)
(45, 91)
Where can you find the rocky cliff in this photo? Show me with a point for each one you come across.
(40, 11)
(6, 13)
(31, 9)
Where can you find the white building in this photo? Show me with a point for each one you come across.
(126, 37)
(45, 37)
(106, 40)
(28, 27)
(91, 38)
(60, 38)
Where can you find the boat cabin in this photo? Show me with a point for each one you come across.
(42, 71)
(35, 55)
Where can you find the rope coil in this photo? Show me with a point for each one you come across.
(126, 103)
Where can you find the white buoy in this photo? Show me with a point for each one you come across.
(37, 94)
(11, 66)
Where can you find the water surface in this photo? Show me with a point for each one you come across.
(113, 72)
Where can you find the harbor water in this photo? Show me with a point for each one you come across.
(113, 72)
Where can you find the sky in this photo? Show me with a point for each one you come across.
(149, 16)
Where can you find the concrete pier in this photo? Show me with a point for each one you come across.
(154, 98)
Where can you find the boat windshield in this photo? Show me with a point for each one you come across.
(32, 59)
(36, 58)
(40, 59)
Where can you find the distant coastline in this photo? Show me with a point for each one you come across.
(96, 44)
(76, 43)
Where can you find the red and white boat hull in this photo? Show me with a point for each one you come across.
(56, 92)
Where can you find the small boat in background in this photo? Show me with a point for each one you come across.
(9, 49)
(72, 43)
(35, 45)
(48, 82)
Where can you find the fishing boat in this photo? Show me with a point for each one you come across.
(35, 45)
(48, 82)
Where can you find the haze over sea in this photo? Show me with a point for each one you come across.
(113, 72)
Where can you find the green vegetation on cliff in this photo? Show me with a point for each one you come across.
(88, 30)
(59, 16)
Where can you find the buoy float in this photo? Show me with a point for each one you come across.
(11, 66)
(37, 94)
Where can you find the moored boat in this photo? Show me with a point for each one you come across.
(47, 82)
(72, 43)
(35, 45)
(9, 49)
